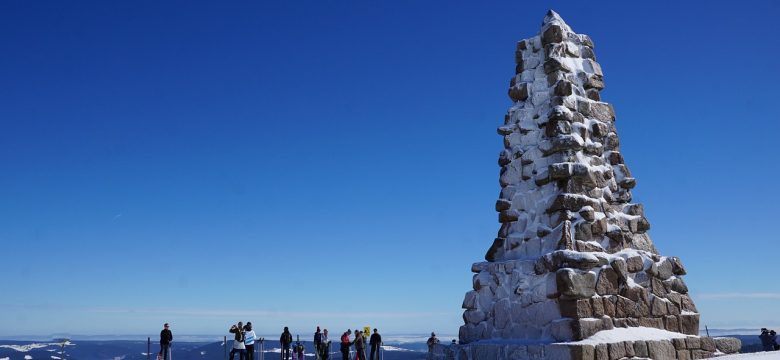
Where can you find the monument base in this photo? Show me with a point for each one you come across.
(692, 347)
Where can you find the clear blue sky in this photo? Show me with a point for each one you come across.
(333, 163)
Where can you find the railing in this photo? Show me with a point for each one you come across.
(439, 352)
(260, 351)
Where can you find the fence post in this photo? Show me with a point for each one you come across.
(224, 345)
(148, 348)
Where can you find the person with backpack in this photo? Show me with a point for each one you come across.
(166, 337)
(773, 340)
(249, 340)
(345, 344)
(238, 341)
(286, 341)
(317, 343)
(432, 341)
(375, 342)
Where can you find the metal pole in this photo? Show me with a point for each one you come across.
(224, 345)
(148, 348)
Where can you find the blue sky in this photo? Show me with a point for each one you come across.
(334, 163)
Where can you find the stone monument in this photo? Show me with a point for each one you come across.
(572, 256)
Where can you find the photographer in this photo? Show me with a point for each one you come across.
(238, 341)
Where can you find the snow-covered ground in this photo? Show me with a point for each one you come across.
(25, 348)
(774, 355)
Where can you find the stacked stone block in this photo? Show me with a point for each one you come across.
(684, 348)
(572, 256)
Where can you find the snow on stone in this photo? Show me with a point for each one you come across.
(5, 358)
(28, 357)
(630, 334)
(56, 357)
(773, 355)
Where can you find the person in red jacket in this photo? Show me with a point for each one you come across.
(345, 344)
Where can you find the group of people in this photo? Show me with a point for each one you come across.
(296, 351)
(244, 339)
(375, 341)
(769, 340)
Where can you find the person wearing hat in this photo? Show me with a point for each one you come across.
(166, 336)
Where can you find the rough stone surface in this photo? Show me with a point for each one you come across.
(574, 285)
(602, 352)
(728, 345)
(708, 344)
(640, 349)
(608, 282)
(635, 264)
(572, 255)
(661, 350)
(689, 324)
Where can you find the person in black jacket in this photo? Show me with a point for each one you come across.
(375, 342)
(766, 340)
(286, 341)
(166, 336)
(317, 343)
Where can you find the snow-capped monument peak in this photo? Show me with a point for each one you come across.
(553, 18)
